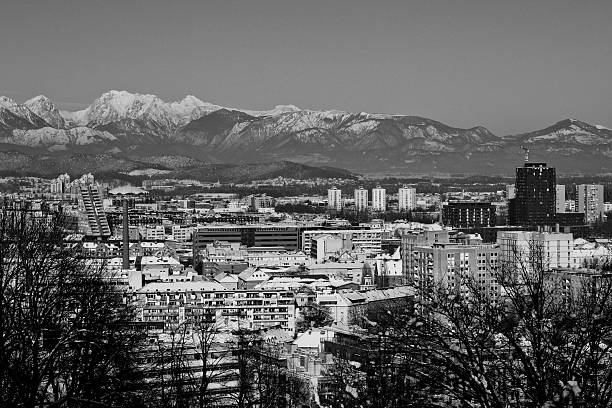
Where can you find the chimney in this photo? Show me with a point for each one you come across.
(126, 236)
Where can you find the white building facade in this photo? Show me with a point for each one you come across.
(406, 198)
(361, 199)
(379, 199)
(334, 199)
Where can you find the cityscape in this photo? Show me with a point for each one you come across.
(160, 250)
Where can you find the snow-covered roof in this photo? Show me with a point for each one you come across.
(193, 286)
(124, 190)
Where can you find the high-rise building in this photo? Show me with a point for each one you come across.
(510, 191)
(334, 199)
(361, 199)
(560, 194)
(92, 221)
(406, 198)
(468, 214)
(590, 201)
(379, 199)
(535, 200)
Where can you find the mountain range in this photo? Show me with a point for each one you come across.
(142, 130)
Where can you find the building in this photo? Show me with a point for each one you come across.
(366, 240)
(379, 199)
(257, 201)
(334, 199)
(92, 218)
(452, 265)
(276, 256)
(535, 200)
(590, 201)
(519, 249)
(172, 303)
(560, 194)
(406, 198)
(468, 214)
(412, 239)
(60, 184)
(287, 236)
(361, 199)
(324, 245)
(510, 191)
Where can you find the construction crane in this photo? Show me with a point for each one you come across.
(526, 150)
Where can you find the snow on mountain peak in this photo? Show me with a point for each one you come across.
(43, 107)
(277, 110)
(7, 102)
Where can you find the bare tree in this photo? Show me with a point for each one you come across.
(544, 342)
(66, 337)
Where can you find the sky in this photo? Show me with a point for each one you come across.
(512, 66)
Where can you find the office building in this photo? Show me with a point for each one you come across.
(361, 199)
(590, 201)
(535, 199)
(468, 214)
(334, 199)
(560, 202)
(287, 236)
(379, 199)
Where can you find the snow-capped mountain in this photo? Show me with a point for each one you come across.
(568, 131)
(44, 108)
(16, 116)
(121, 122)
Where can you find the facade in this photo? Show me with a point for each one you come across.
(255, 202)
(560, 194)
(590, 201)
(334, 199)
(535, 200)
(361, 199)
(406, 198)
(520, 248)
(452, 264)
(510, 191)
(324, 245)
(366, 240)
(249, 235)
(277, 257)
(379, 199)
(468, 214)
(92, 218)
(412, 239)
(172, 303)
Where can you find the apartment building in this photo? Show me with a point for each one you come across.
(172, 303)
(520, 248)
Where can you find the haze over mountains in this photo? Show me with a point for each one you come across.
(143, 130)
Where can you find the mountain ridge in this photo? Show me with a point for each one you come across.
(121, 122)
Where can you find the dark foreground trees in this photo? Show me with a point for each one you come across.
(545, 341)
(66, 337)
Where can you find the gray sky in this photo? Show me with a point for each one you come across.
(510, 65)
